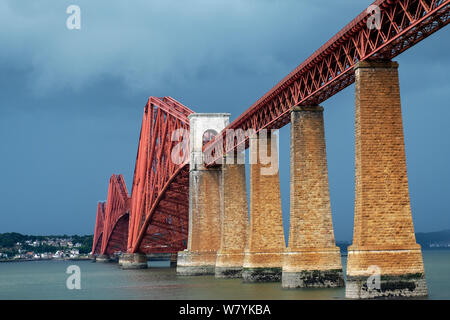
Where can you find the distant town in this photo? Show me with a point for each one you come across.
(18, 247)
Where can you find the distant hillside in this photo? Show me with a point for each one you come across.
(12, 243)
(428, 240)
(439, 239)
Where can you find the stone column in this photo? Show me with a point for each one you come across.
(133, 261)
(205, 203)
(204, 224)
(383, 235)
(263, 258)
(230, 257)
(312, 258)
(103, 258)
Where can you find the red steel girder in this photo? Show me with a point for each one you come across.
(159, 239)
(99, 222)
(403, 23)
(115, 228)
(117, 241)
(157, 179)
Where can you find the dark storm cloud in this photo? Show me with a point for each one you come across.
(71, 101)
(153, 45)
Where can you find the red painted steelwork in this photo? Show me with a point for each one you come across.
(99, 222)
(330, 69)
(115, 229)
(160, 194)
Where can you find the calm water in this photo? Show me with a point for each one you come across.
(47, 280)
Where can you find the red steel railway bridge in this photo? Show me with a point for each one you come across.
(198, 209)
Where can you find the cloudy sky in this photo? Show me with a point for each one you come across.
(71, 101)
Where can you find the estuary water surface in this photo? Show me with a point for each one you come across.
(47, 280)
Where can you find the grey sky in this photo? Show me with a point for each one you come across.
(71, 102)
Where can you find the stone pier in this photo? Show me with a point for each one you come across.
(205, 203)
(384, 243)
(263, 258)
(312, 258)
(103, 258)
(133, 261)
(230, 257)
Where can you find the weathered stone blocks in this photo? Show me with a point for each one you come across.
(103, 258)
(313, 279)
(196, 263)
(133, 261)
(263, 258)
(205, 201)
(204, 223)
(230, 257)
(383, 235)
(312, 258)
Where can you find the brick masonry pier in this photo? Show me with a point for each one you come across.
(312, 258)
(205, 201)
(263, 258)
(383, 235)
(230, 257)
(103, 258)
(133, 261)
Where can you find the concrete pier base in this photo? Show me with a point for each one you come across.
(261, 274)
(103, 258)
(229, 265)
(262, 267)
(394, 286)
(230, 256)
(367, 266)
(313, 269)
(313, 279)
(191, 263)
(228, 272)
(133, 261)
(263, 257)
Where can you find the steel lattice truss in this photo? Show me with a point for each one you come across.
(403, 23)
(98, 233)
(117, 212)
(160, 194)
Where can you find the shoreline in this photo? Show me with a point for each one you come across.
(51, 259)
(87, 258)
